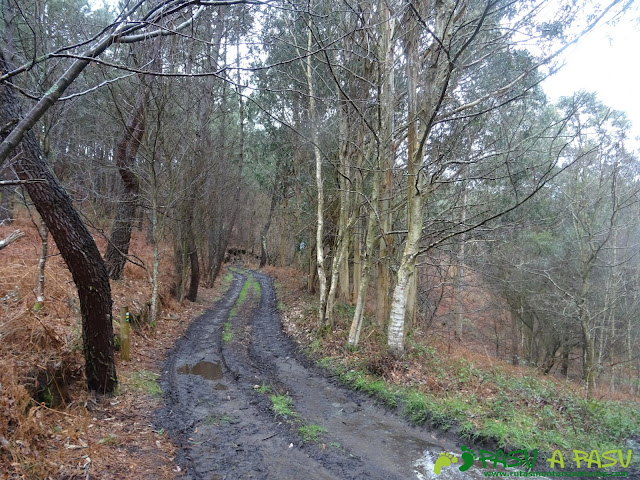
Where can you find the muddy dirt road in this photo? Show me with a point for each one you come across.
(225, 426)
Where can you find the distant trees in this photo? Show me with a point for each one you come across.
(568, 272)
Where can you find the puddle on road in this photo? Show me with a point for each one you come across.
(204, 369)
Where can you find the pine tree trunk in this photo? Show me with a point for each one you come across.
(194, 282)
(76, 246)
(118, 248)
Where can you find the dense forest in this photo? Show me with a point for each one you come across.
(402, 156)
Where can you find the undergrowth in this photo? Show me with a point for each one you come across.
(516, 412)
(514, 407)
(49, 423)
(145, 382)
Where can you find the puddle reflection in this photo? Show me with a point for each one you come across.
(204, 369)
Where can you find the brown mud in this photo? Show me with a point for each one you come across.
(225, 428)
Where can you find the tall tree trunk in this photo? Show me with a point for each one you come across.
(272, 207)
(515, 337)
(564, 364)
(313, 114)
(459, 280)
(194, 281)
(589, 366)
(282, 241)
(357, 262)
(344, 181)
(407, 263)
(118, 248)
(415, 191)
(344, 229)
(387, 160)
(356, 241)
(76, 246)
(156, 231)
(180, 264)
(341, 252)
(358, 314)
(265, 228)
(412, 302)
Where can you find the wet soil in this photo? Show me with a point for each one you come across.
(225, 428)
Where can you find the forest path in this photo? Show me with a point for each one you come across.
(225, 427)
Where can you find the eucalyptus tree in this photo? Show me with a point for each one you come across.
(451, 47)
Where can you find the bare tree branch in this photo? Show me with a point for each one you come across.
(16, 235)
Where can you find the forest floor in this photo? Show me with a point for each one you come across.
(50, 426)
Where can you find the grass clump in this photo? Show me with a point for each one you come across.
(311, 433)
(109, 440)
(374, 387)
(516, 411)
(245, 290)
(227, 334)
(421, 407)
(263, 388)
(225, 283)
(282, 405)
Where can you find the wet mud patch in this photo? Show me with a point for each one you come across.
(221, 383)
(208, 370)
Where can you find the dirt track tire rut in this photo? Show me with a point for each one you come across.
(225, 428)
